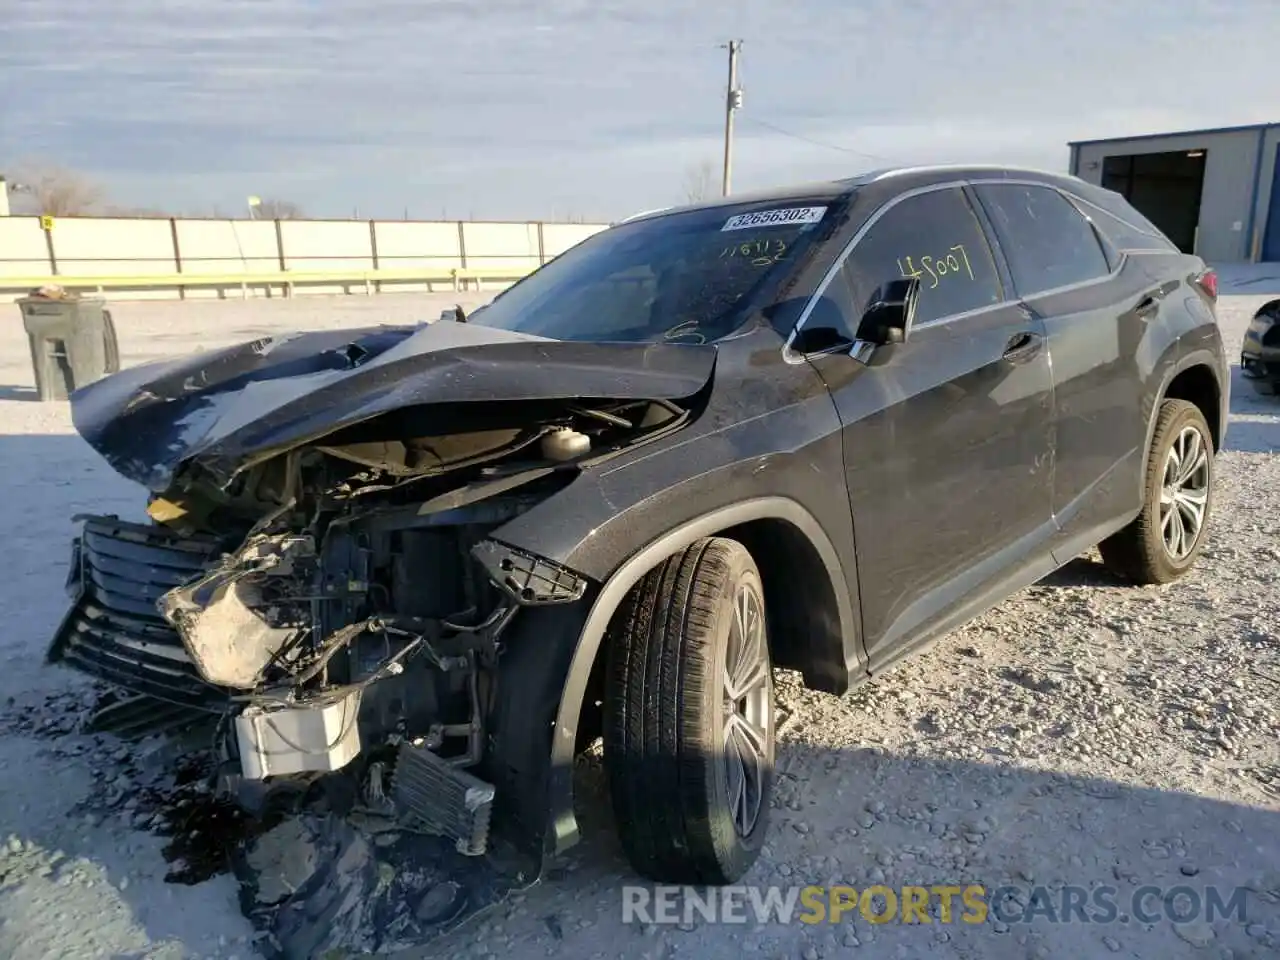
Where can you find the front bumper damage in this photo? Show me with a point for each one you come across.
(254, 641)
(332, 586)
(114, 631)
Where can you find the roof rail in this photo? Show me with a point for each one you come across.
(644, 213)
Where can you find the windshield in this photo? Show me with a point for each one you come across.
(684, 277)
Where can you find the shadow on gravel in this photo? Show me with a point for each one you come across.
(1041, 844)
(18, 393)
(1082, 572)
(1255, 418)
(865, 816)
(1255, 436)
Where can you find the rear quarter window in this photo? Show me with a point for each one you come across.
(1126, 231)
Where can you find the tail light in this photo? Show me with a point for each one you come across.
(1208, 282)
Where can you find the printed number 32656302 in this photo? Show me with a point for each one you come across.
(953, 264)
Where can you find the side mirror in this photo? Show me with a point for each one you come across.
(891, 313)
(811, 339)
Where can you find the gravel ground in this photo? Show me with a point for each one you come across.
(1083, 733)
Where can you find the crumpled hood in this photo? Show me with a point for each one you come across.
(224, 406)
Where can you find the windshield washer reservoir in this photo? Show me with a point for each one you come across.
(565, 444)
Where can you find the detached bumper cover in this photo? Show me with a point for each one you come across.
(113, 630)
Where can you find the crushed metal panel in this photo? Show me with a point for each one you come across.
(224, 618)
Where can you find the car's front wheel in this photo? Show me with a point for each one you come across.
(1164, 540)
(689, 717)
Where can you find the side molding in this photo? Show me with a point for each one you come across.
(563, 831)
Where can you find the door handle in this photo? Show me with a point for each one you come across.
(1146, 307)
(1022, 346)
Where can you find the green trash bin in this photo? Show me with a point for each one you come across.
(73, 342)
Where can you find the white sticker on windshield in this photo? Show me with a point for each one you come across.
(774, 218)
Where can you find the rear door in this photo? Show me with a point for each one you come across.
(1096, 313)
(947, 444)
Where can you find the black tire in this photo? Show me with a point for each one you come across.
(111, 346)
(666, 717)
(1139, 551)
(1266, 388)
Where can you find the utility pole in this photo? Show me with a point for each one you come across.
(732, 103)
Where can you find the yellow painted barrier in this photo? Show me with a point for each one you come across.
(286, 279)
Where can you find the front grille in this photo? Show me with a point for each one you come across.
(113, 630)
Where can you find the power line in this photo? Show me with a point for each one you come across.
(816, 143)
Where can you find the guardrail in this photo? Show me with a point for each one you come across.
(195, 258)
(286, 280)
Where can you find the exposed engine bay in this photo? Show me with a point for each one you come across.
(339, 607)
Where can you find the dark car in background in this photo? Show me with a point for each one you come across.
(1260, 353)
(812, 428)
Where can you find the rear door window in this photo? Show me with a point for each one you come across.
(935, 237)
(1045, 239)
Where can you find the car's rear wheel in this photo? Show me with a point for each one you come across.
(1162, 543)
(689, 717)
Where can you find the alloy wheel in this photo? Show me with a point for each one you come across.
(748, 704)
(1184, 494)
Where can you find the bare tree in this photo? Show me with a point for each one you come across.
(278, 210)
(50, 190)
(700, 182)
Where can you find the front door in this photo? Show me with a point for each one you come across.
(948, 451)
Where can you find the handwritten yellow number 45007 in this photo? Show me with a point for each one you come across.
(955, 262)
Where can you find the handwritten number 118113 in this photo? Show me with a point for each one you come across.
(761, 253)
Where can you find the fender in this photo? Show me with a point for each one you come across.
(1195, 358)
(563, 826)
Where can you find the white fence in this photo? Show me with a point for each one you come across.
(169, 258)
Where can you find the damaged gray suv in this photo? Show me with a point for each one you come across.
(421, 568)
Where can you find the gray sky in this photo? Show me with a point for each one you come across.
(593, 108)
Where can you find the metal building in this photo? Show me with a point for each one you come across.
(1215, 192)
